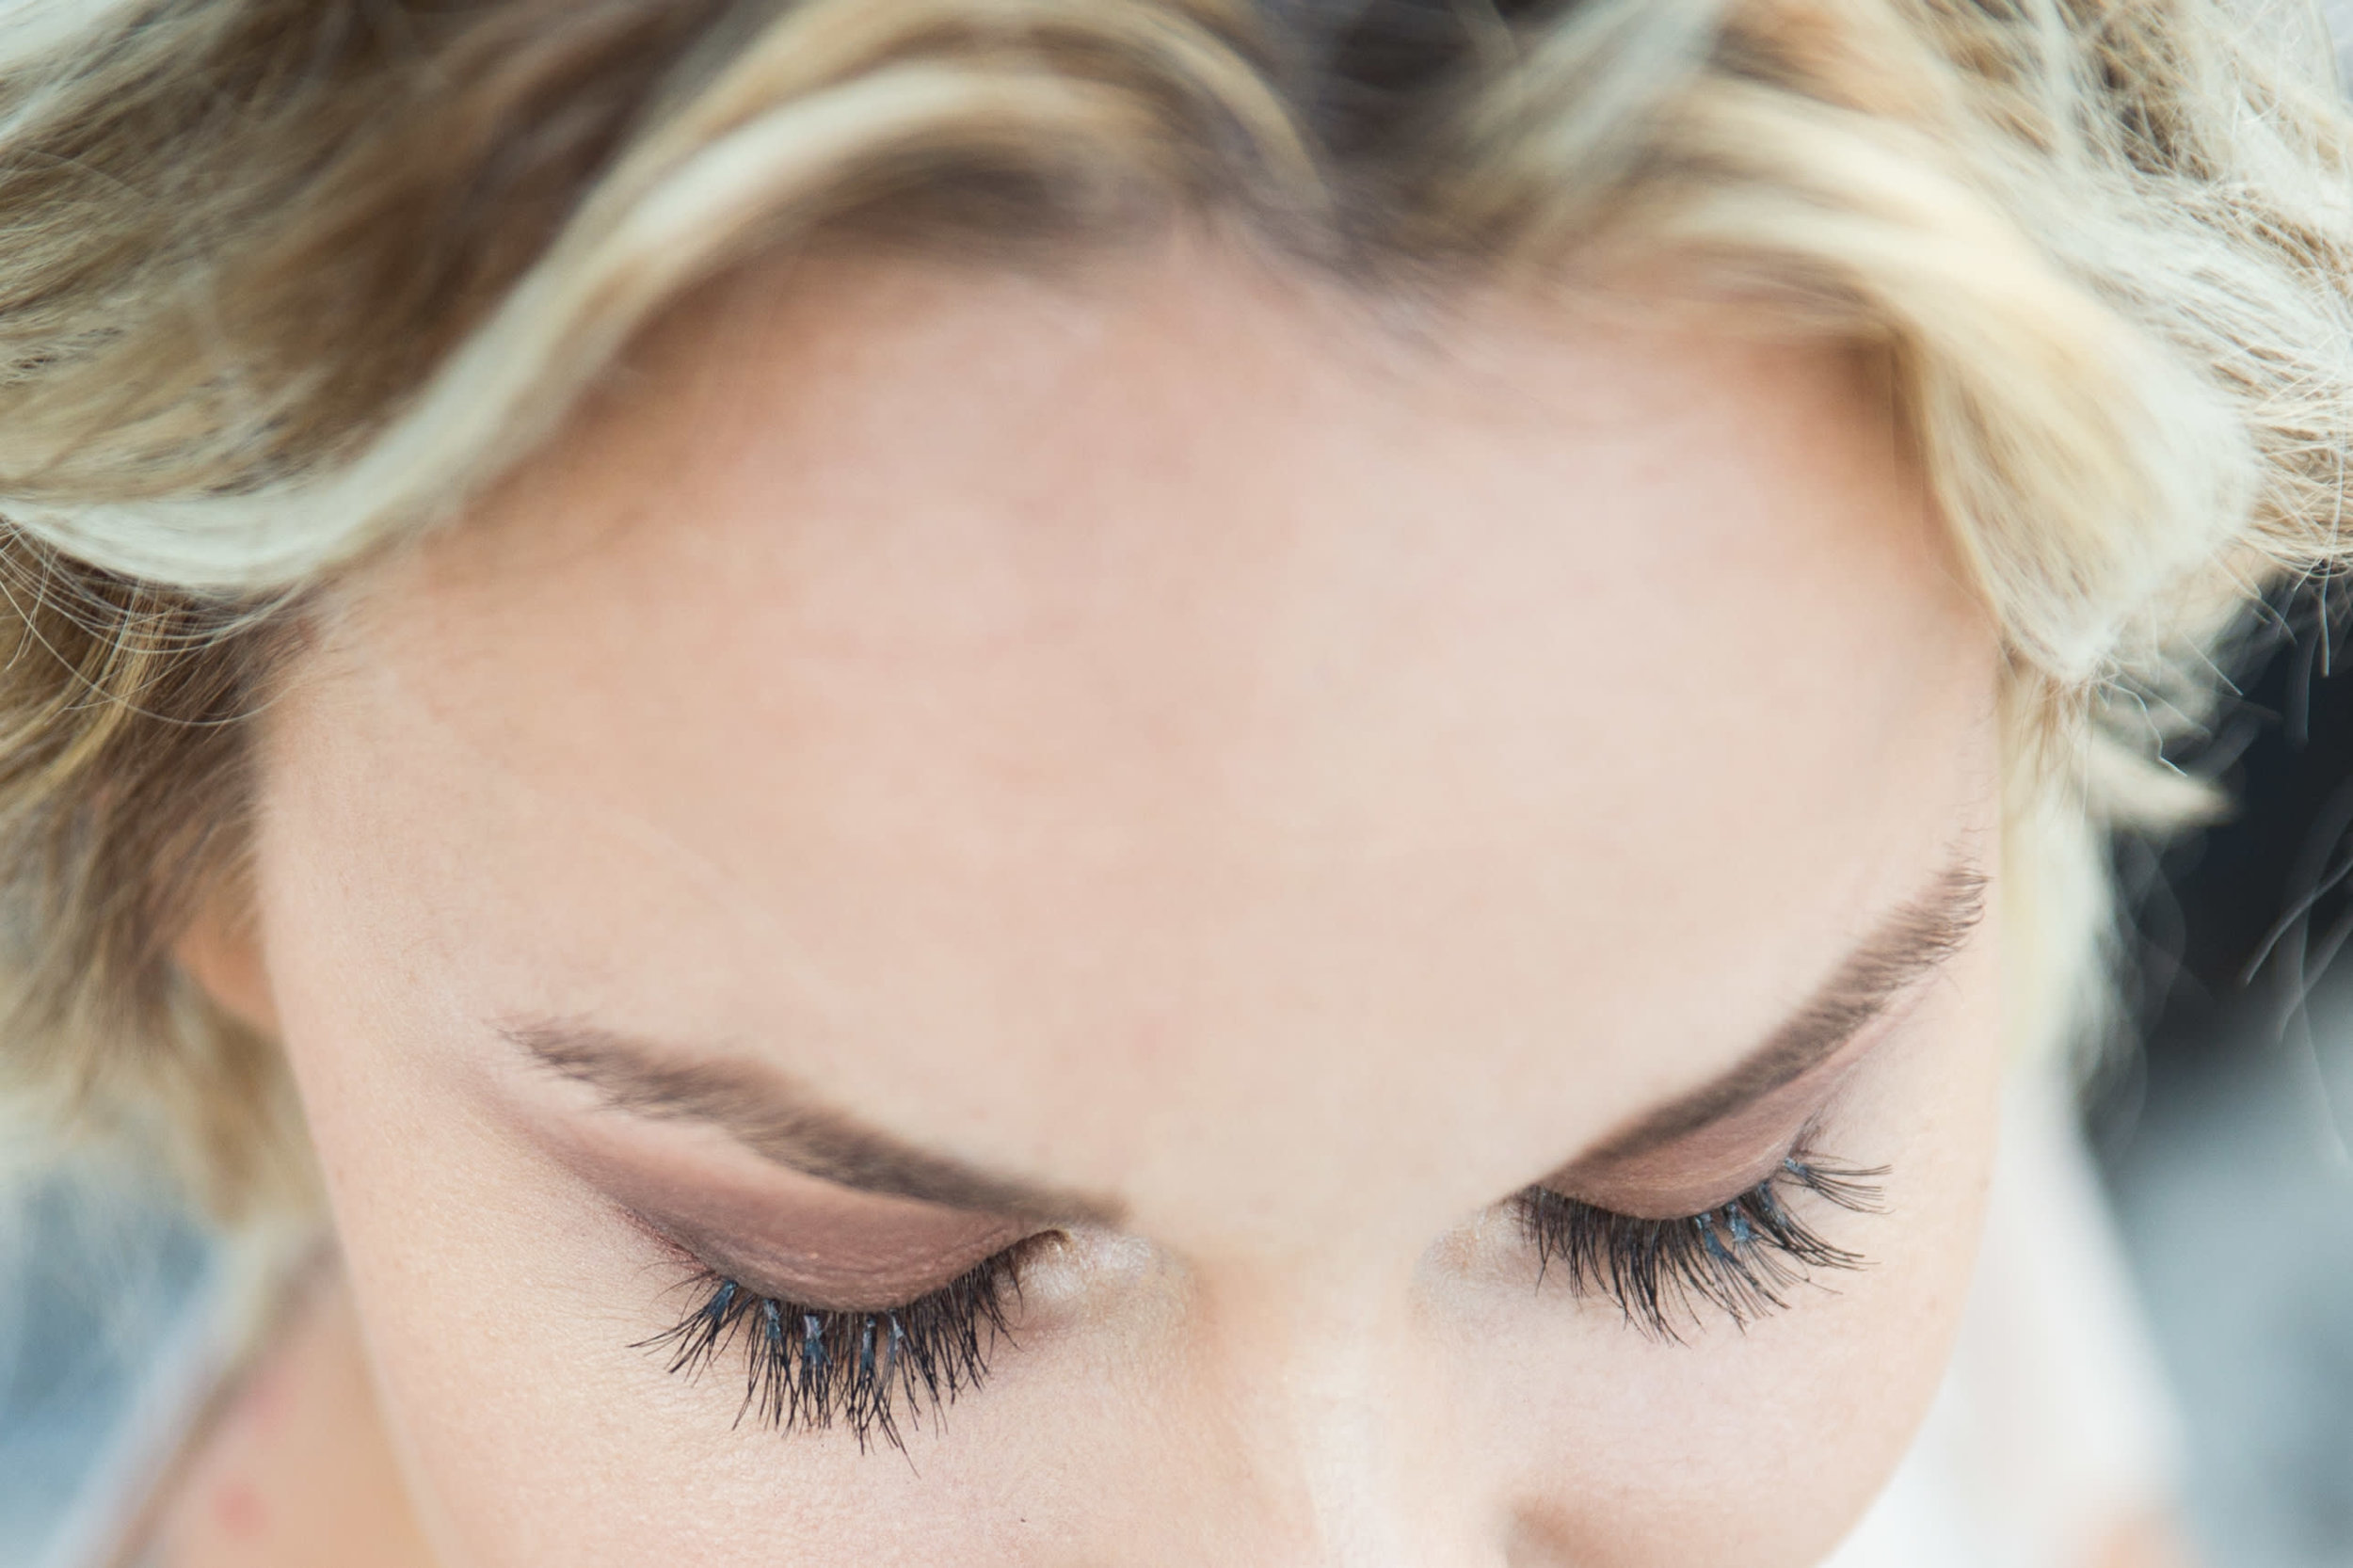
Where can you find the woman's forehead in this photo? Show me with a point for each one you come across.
(1171, 701)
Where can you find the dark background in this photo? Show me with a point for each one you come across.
(2223, 1137)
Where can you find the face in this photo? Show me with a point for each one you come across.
(1358, 928)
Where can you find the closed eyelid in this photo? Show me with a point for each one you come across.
(1746, 1257)
(1705, 1166)
(844, 1279)
(794, 1234)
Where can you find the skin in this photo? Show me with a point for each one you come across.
(294, 1472)
(1288, 773)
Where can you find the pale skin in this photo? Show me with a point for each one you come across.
(1274, 778)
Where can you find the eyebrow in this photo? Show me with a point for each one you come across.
(786, 1125)
(1915, 940)
(783, 1123)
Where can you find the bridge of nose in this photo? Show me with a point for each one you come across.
(1320, 1412)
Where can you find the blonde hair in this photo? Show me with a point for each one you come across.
(284, 281)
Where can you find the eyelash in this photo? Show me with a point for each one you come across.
(1743, 1258)
(809, 1368)
(806, 1367)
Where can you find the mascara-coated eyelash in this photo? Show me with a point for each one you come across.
(807, 1367)
(1742, 1259)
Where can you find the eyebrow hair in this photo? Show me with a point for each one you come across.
(782, 1121)
(1912, 942)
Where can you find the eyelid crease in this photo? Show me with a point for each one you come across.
(701, 1249)
(1674, 1179)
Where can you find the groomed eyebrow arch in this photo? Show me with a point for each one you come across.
(1912, 942)
(782, 1121)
